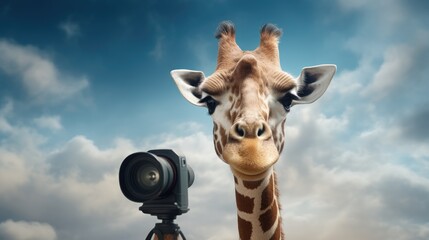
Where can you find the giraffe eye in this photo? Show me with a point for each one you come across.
(287, 108)
(210, 103)
(286, 101)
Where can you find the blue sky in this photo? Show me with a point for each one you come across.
(85, 83)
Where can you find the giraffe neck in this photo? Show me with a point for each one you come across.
(258, 208)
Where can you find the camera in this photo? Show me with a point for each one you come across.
(159, 179)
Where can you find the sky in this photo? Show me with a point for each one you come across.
(83, 84)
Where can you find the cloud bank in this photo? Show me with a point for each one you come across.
(37, 74)
(330, 189)
(21, 230)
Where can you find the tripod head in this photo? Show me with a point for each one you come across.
(167, 228)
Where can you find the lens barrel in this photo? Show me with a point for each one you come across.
(144, 176)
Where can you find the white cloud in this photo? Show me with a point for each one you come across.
(75, 188)
(331, 188)
(49, 122)
(41, 78)
(334, 187)
(398, 61)
(22, 230)
(13, 172)
(70, 28)
(348, 82)
(68, 202)
(82, 158)
(18, 140)
(4, 111)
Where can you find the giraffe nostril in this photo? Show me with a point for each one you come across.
(239, 130)
(264, 131)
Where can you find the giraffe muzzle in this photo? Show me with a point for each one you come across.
(250, 149)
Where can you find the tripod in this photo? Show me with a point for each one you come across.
(165, 228)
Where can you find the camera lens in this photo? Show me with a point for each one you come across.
(148, 176)
(144, 176)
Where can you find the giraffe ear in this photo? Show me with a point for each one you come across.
(188, 82)
(313, 82)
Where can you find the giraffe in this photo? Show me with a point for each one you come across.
(248, 97)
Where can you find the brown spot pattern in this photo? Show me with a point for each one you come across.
(252, 184)
(215, 127)
(237, 102)
(265, 115)
(222, 133)
(283, 125)
(267, 195)
(235, 89)
(278, 233)
(244, 203)
(218, 149)
(232, 115)
(281, 148)
(244, 229)
(275, 137)
(268, 218)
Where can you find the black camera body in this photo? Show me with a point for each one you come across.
(159, 179)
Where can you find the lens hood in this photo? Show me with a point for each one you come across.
(144, 176)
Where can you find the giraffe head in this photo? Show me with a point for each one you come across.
(248, 97)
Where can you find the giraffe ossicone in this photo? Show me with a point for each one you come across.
(248, 96)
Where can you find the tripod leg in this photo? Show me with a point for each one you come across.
(157, 235)
(149, 236)
(181, 235)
